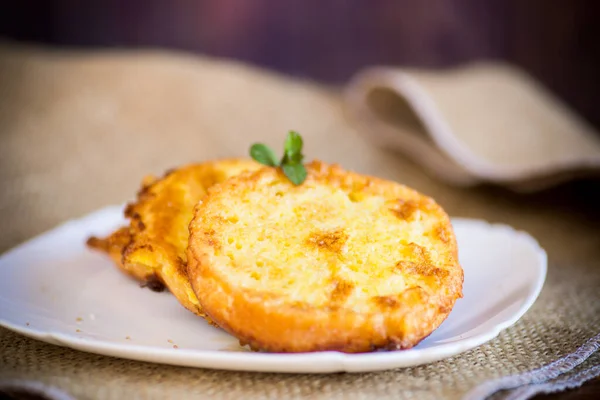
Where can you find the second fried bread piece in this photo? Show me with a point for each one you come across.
(113, 246)
(341, 262)
(155, 243)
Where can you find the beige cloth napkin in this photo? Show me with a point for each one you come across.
(479, 123)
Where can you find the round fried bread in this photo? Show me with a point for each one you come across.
(155, 252)
(341, 262)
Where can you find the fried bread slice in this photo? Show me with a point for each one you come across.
(113, 246)
(341, 262)
(153, 248)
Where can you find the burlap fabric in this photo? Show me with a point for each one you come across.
(78, 131)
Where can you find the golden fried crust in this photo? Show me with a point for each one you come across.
(158, 233)
(114, 246)
(342, 262)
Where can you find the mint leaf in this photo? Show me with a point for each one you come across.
(263, 154)
(291, 162)
(293, 148)
(295, 172)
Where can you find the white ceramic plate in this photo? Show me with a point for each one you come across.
(53, 289)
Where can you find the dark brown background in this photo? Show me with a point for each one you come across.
(558, 41)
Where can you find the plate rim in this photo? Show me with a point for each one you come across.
(320, 362)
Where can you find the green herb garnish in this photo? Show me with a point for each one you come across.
(291, 162)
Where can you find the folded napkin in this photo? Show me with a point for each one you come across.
(479, 123)
(30, 390)
(554, 377)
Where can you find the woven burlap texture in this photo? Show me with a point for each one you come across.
(79, 130)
